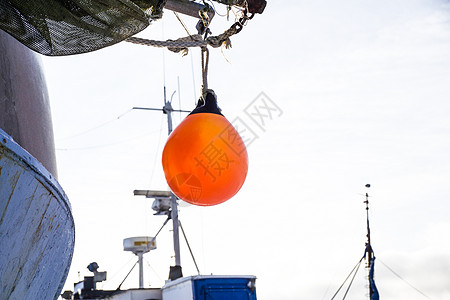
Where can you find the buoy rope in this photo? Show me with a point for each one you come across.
(205, 61)
(196, 40)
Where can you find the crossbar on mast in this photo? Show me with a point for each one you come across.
(175, 271)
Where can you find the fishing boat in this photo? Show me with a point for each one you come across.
(37, 232)
(196, 287)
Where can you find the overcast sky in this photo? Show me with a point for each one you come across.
(363, 97)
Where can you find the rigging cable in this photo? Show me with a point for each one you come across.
(193, 79)
(189, 247)
(107, 145)
(353, 278)
(396, 274)
(351, 272)
(120, 270)
(118, 288)
(214, 8)
(96, 127)
(182, 23)
(179, 95)
(164, 224)
(156, 151)
(154, 271)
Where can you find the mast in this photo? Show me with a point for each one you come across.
(373, 292)
(175, 271)
(370, 262)
(368, 244)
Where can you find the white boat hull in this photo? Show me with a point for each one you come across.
(36, 227)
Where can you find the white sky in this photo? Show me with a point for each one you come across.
(364, 90)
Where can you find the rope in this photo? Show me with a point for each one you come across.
(178, 45)
(205, 61)
(196, 40)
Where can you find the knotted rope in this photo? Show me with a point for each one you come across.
(196, 40)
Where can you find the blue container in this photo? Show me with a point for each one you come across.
(211, 287)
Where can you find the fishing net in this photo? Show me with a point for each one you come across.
(65, 27)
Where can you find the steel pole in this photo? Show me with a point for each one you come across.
(176, 230)
(174, 204)
(141, 269)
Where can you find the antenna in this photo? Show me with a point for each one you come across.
(163, 198)
(373, 291)
(139, 246)
(368, 244)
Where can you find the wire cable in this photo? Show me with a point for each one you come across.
(182, 23)
(193, 79)
(118, 288)
(353, 278)
(120, 270)
(107, 145)
(96, 127)
(189, 247)
(150, 266)
(396, 274)
(156, 152)
(351, 272)
(164, 224)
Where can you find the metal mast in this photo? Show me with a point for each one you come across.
(175, 271)
(369, 250)
(369, 255)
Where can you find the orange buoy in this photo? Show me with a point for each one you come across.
(205, 161)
